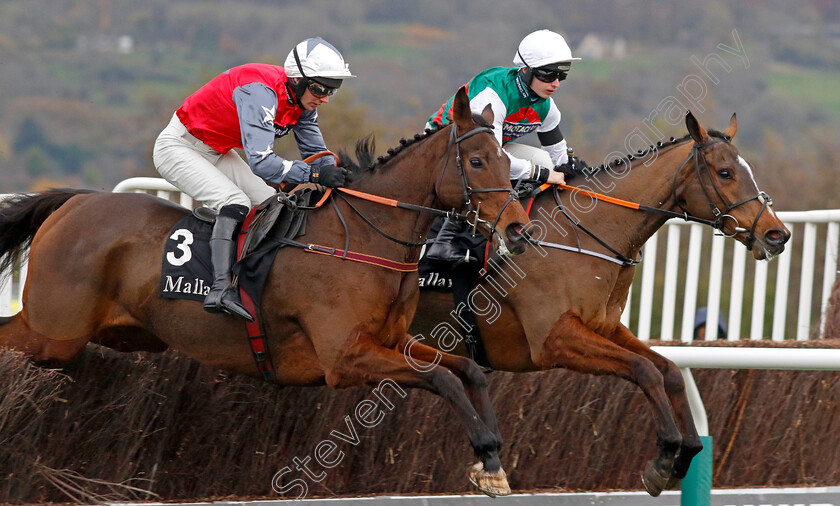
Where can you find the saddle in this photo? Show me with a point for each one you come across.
(265, 231)
(281, 215)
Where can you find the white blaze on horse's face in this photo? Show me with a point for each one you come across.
(747, 167)
(499, 151)
(744, 163)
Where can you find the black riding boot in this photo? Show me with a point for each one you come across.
(442, 248)
(222, 296)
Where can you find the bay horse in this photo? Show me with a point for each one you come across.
(561, 309)
(95, 264)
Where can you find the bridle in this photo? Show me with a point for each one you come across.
(471, 216)
(720, 215)
(718, 223)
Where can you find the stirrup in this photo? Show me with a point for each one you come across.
(227, 302)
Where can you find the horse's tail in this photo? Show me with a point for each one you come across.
(21, 215)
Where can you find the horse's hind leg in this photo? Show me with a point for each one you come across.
(675, 389)
(15, 334)
(366, 362)
(572, 345)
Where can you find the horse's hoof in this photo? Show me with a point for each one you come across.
(673, 483)
(653, 481)
(492, 484)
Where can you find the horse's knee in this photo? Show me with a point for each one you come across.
(445, 381)
(646, 374)
(469, 372)
(340, 377)
(673, 378)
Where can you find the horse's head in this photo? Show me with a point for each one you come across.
(716, 183)
(475, 178)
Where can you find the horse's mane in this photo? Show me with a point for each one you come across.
(658, 147)
(366, 147)
(365, 162)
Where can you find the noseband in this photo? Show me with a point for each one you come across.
(720, 216)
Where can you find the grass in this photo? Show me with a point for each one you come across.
(816, 87)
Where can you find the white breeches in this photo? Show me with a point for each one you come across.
(203, 173)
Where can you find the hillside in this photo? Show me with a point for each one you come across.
(87, 86)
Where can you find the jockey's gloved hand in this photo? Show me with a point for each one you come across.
(573, 167)
(328, 175)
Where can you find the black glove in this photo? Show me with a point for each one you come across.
(573, 167)
(329, 175)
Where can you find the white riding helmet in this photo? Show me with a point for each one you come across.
(316, 58)
(541, 48)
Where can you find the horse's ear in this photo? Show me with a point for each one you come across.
(697, 132)
(732, 128)
(460, 110)
(487, 114)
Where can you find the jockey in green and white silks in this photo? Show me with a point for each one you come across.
(522, 103)
(521, 100)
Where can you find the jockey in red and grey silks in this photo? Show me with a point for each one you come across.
(248, 107)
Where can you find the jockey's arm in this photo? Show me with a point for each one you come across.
(551, 138)
(309, 138)
(256, 106)
(520, 168)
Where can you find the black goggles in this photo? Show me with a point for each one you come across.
(549, 76)
(318, 90)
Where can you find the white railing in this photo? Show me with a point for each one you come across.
(156, 186)
(756, 296)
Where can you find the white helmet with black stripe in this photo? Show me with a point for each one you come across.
(317, 60)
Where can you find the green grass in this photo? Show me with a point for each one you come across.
(608, 69)
(812, 86)
(599, 70)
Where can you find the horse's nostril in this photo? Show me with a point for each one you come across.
(776, 236)
(515, 231)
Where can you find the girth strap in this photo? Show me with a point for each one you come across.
(256, 334)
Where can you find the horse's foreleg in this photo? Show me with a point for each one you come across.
(470, 374)
(675, 389)
(368, 363)
(572, 345)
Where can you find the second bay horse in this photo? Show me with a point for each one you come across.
(564, 310)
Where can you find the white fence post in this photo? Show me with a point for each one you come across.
(751, 285)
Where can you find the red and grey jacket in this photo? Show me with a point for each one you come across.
(248, 107)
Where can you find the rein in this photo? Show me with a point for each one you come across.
(471, 216)
(718, 223)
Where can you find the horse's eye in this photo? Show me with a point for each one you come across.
(725, 173)
(476, 162)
